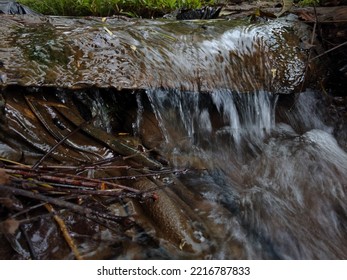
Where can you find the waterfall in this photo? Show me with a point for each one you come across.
(207, 115)
(281, 183)
(206, 121)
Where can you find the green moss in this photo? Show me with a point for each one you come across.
(43, 52)
(144, 8)
(305, 3)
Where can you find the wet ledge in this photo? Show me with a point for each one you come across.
(197, 56)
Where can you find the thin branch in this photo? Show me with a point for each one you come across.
(51, 150)
(74, 180)
(62, 189)
(31, 247)
(26, 210)
(69, 240)
(157, 173)
(68, 205)
(327, 21)
(308, 57)
(330, 50)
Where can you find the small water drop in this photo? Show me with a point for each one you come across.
(199, 236)
(167, 180)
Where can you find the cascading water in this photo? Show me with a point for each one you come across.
(193, 111)
(207, 122)
(278, 188)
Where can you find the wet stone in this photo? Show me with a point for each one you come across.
(196, 56)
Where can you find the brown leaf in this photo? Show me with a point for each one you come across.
(306, 16)
(4, 177)
(10, 226)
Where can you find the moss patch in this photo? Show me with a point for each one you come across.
(135, 8)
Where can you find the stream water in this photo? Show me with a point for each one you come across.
(275, 176)
(264, 169)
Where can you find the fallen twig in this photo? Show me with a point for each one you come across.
(65, 231)
(311, 44)
(149, 174)
(125, 221)
(51, 150)
(330, 50)
(74, 180)
(31, 247)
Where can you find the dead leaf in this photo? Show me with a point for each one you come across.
(108, 31)
(10, 226)
(4, 177)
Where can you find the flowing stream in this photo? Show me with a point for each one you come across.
(277, 187)
(256, 170)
